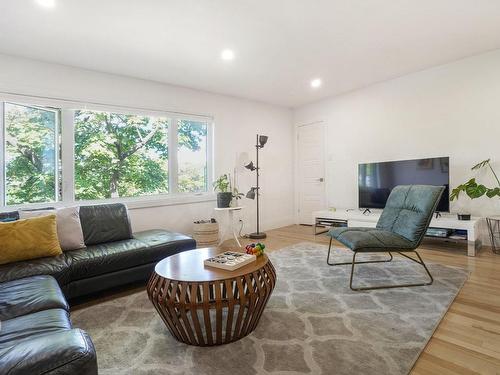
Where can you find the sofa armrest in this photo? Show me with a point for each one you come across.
(58, 353)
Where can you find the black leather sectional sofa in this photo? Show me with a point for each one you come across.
(36, 336)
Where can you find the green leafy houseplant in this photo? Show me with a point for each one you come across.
(475, 190)
(222, 184)
(224, 195)
(225, 192)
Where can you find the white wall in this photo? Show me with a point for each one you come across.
(236, 123)
(452, 110)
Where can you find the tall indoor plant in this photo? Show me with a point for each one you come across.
(475, 190)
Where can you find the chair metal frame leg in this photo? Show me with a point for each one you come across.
(419, 261)
(367, 261)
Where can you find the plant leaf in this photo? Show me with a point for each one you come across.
(475, 191)
(455, 193)
(481, 164)
(493, 192)
(471, 182)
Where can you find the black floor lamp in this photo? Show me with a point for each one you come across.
(254, 191)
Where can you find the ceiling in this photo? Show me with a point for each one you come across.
(279, 45)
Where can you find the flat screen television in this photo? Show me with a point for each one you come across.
(376, 180)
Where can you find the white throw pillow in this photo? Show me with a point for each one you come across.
(69, 228)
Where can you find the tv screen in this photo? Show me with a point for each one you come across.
(376, 180)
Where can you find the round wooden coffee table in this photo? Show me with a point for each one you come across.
(208, 306)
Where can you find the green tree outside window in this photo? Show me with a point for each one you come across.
(116, 155)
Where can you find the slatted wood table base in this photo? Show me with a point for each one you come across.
(212, 312)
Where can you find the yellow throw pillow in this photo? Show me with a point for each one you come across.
(29, 239)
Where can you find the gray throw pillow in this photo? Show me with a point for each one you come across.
(69, 228)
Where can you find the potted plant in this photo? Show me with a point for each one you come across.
(475, 190)
(224, 195)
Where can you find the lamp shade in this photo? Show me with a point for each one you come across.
(251, 193)
(263, 140)
(250, 166)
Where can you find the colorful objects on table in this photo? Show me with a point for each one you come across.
(255, 248)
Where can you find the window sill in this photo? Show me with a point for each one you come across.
(175, 200)
(135, 203)
(132, 203)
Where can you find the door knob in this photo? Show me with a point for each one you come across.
(321, 179)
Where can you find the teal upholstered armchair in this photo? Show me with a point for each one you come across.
(400, 229)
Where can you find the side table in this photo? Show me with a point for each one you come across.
(230, 212)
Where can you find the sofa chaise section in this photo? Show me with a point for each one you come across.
(114, 256)
(106, 265)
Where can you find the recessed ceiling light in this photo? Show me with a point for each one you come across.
(47, 3)
(315, 83)
(227, 55)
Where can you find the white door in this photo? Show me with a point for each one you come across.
(311, 170)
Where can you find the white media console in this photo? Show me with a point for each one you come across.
(468, 229)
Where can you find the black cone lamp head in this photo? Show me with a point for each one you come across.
(250, 166)
(251, 193)
(262, 140)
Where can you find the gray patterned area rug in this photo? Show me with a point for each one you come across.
(313, 323)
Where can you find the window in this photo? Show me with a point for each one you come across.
(120, 155)
(192, 156)
(66, 153)
(31, 154)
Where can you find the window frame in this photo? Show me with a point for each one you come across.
(66, 151)
(57, 151)
(2, 155)
(210, 165)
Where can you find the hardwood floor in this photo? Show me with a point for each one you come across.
(468, 339)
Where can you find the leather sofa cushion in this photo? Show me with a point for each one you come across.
(29, 295)
(32, 325)
(54, 266)
(171, 242)
(57, 353)
(370, 239)
(147, 247)
(107, 257)
(105, 223)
